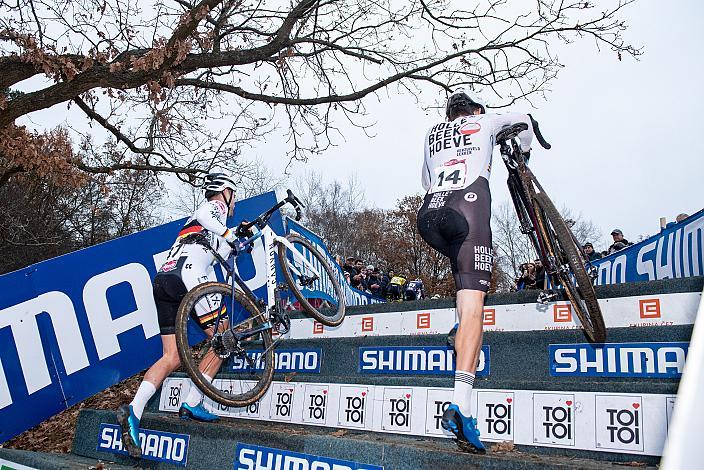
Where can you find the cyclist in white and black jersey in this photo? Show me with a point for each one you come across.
(455, 220)
(190, 262)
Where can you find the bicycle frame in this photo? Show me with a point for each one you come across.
(272, 303)
(522, 184)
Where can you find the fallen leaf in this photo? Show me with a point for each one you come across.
(506, 446)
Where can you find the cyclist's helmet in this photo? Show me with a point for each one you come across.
(460, 102)
(218, 182)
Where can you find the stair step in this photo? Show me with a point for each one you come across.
(222, 444)
(10, 458)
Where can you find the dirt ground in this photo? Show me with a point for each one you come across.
(56, 433)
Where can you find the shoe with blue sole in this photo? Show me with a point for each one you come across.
(199, 413)
(451, 337)
(464, 429)
(130, 430)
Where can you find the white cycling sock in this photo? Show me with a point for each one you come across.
(462, 393)
(145, 391)
(194, 394)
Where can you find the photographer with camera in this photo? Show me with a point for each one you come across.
(527, 278)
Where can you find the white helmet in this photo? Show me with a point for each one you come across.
(218, 182)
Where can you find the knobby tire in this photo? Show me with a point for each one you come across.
(329, 320)
(191, 366)
(589, 312)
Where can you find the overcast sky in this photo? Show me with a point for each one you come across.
(624, 134)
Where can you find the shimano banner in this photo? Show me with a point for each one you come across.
(77, 324)
(675, 252)
(320, 291)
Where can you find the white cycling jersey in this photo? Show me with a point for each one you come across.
(459, 152)
(193, 261)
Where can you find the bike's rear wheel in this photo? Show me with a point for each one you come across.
(320, 278)
(246, 374)
(567, 253)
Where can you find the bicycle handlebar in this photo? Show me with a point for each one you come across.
(243, 228)
(513, 131)
(536, 130)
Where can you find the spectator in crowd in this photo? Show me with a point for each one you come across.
(396, 287)
(681, 217)
(590, 253)
(539, 274)
(527, 277)
(348, 267)
(375, 281)
(339, 260)
(619, 242)
(358, 278)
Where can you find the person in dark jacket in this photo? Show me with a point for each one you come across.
(619, 242)
(590, 253)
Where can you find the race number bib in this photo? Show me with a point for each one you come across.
(450, 176)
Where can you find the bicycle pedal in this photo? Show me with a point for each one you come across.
(307, 281)
(545, 297)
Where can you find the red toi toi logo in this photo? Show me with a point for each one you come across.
(649, 308)
(489, 316)
(562, 313)
(317, 328)
(423, 321)
(368, 324)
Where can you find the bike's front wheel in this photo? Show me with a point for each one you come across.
(567, 254)
(237, 343)
(308, 272)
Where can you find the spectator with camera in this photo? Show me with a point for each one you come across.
(527, 278)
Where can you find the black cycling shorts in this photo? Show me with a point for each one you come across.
(168, 290)
(458, 225)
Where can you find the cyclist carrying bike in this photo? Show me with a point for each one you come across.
(455, 220)
(188, 264)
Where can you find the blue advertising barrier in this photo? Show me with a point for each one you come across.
(673, 253)
(77, 324)
(323, 290)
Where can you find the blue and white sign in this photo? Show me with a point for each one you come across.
(415, 360)
(646, 360)
(677, 251)
(285, 360)
(77, 324)
(251, 457)
(156, 445)
(321, 290)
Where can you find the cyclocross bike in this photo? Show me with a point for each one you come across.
(242, 332)
(558, 249)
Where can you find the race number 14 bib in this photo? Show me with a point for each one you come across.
(450, 176)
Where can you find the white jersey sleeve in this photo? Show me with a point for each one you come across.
(504, 120)
(212, 216)
(425, 172)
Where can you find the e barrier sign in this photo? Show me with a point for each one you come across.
(647, 360)
(251, 457)
(156, 445)
(415, 360)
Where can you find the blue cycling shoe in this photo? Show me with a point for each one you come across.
(465, 429)
(199, 413)
(130, 430)
(451, 336)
